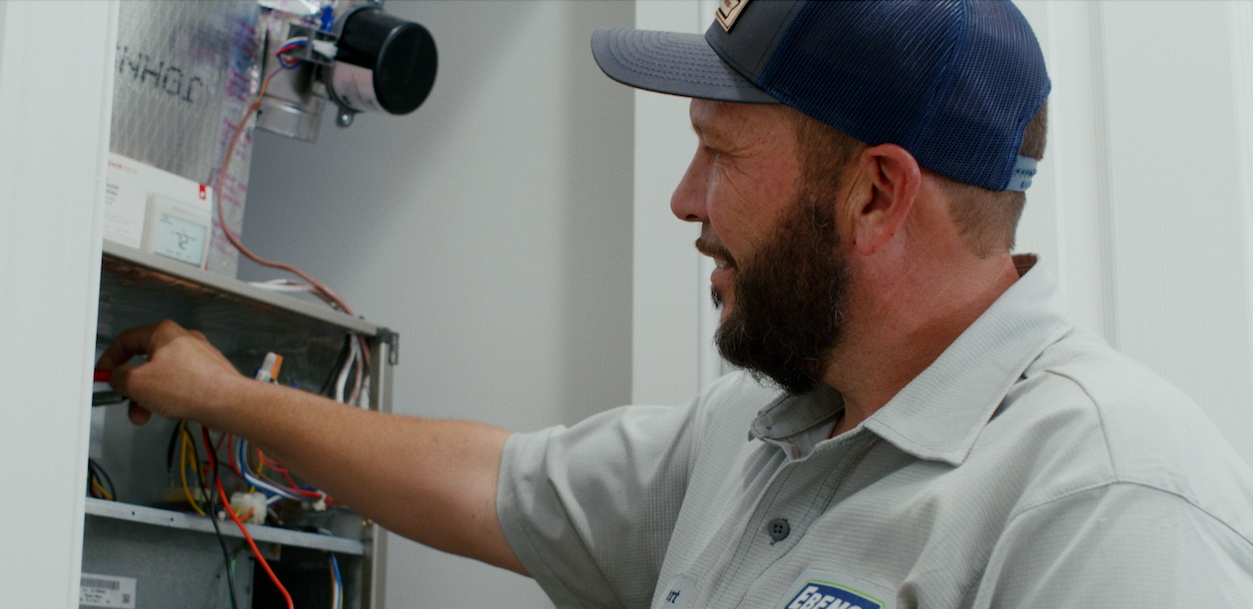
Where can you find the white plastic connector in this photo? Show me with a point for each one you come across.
(325, 48)
(243, 503)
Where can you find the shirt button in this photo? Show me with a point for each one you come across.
(778, 529)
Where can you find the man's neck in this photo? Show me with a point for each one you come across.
(893, 334)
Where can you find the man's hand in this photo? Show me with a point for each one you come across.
(185, 377)
(431, 481)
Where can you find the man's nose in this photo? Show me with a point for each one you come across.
(688, 201)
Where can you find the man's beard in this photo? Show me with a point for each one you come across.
(786, 318)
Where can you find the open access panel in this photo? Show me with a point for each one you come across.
(145, 545)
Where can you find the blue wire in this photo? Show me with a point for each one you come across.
(288, 47)
(270, 490)
(339, 580)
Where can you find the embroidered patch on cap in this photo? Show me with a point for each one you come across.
(729, 11)
(822, 590)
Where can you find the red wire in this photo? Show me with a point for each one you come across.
(294, 488)
(253, 545)
(291, 482)
(247, 536)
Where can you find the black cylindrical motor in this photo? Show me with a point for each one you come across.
(384, 64)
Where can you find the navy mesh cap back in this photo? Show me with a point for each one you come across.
(954, 82)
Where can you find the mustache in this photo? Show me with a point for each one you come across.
(714, 250)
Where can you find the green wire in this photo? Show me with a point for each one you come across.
(234, 557)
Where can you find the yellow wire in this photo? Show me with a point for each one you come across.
(100, 489)
(182, 469)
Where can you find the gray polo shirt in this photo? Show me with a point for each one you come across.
(1029, 466)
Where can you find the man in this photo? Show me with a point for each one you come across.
(928, 429)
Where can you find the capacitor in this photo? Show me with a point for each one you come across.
(384, 64)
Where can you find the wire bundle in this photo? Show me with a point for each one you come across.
(356, 361)
(254, 475)
(290, 63)
(337, 580)
(221, 493)
(99, 484)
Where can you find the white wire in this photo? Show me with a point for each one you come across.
(360, 367)
(342, 381)
(241, 455)
(364, 401)
(335, 602)
(337, 598)
(282, 285)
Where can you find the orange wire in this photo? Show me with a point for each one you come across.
(226, 503)
(253, 545)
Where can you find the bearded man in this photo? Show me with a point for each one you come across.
(918, 424)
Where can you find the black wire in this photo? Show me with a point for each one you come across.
(96, 470)
(213, 517)
(169, 451)
(91, 477)
(339, 363)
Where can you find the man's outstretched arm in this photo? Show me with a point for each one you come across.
(431, 481)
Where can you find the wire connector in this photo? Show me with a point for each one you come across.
(326, 48)
(250, 507)
(268, 371)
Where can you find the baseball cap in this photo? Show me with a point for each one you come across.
(954, 82)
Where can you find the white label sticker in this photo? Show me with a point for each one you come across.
(106, 591)
(355, 86)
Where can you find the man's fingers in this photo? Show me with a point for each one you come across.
(128, 344)
(138, 414)
(117, 380)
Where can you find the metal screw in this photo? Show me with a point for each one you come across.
(344, 119)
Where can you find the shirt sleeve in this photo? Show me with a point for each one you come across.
(589, 510)
(1118, 545)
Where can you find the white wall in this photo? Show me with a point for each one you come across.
(56, 103)
(491, 228)
(666, 269)
(1145, 211)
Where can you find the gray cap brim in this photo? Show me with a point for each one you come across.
(671, 62)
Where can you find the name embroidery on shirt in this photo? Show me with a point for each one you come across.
(826, 595)
(677, 594)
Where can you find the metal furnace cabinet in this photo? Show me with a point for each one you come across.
(147, 537)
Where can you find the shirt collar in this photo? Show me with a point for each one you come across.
(792, 415)
(939, 414)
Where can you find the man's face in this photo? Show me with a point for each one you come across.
(789, 295)
(779, 279)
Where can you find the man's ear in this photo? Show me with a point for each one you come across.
(885, 182)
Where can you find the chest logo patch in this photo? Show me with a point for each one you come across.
(826, 595)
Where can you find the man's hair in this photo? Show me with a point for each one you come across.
(988, 219)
